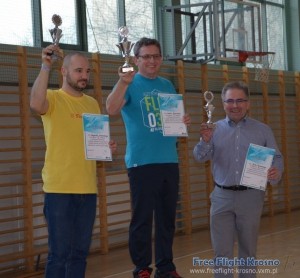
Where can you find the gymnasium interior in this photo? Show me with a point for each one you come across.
(205, 44)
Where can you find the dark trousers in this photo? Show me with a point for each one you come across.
(154, 191)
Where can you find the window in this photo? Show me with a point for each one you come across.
(94, 27)
(102, 26)
(69, 24)
(275, 35)
(139, 18)
(28, 22)
(16, 26)
(103, 22)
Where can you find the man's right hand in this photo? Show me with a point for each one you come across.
(126, 77)
(47, 53)
(206, 132)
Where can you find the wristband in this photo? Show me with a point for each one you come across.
(45, 67)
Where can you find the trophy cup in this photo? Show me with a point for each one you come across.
(125, 47)
(56, 34)
(209, 108)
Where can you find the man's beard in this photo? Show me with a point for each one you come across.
(75, 86)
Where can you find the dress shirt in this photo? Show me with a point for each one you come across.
(229, 145)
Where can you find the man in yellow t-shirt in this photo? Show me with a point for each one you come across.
(69, 180)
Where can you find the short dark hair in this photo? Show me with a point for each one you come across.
(145, 42)
(235, 85)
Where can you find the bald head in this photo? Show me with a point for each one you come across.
(76, 71)
(69, 58)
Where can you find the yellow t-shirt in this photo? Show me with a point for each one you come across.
(66, 170)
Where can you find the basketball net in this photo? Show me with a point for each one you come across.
(261, 62)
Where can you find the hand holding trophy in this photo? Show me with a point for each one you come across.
(207, 129)
(125, 47)
(209, 108)
(56, 35)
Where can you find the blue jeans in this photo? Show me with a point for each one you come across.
(70, 219)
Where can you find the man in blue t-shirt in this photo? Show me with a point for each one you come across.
(151, 160)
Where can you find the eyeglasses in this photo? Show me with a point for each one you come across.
(148, 57)
(238, 101)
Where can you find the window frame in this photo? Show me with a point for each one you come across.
(38, 40)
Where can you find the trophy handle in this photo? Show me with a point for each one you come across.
(209, 108)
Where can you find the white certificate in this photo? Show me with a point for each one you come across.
(96, 137)
(171, 113)
(258, 161)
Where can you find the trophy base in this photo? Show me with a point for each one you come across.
(127, 69)
(211, 125)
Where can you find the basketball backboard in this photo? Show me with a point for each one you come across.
(240, 25)
(211, 31)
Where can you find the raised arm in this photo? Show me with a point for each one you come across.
(38, 100)
(116, 99)
(203, 150)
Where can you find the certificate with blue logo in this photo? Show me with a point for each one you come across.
(96, 137)
(258, 161)
(171, 112)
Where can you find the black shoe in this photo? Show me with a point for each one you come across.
(143, 273)
(170, 274)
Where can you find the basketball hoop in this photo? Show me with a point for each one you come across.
(261, 61)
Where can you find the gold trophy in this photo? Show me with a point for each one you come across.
(125, 47)
(209, 108)
(56, 34)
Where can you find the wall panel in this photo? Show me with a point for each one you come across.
(23, 241)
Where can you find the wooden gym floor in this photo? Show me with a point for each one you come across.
(279, 239)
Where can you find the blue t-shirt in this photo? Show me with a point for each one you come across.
(145, 141)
